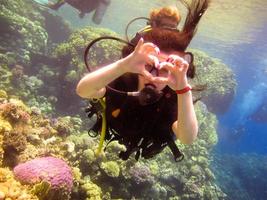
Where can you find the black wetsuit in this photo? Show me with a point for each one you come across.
(145, 130)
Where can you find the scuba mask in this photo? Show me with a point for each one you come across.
(155, 71)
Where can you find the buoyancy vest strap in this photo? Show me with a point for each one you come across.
(178, 156)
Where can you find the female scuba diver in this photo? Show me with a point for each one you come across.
(148, 99)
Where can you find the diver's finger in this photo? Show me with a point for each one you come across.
(150, 48)
(168, 66)
(160, 80)
(173, 57)
(153, 60)
(183, 66)
(139, 44)
(147, 75)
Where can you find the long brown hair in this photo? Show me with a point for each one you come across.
(169, 39)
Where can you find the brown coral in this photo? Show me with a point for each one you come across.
(13, 143)
(14, 114)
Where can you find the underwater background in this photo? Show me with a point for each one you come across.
(45, 150)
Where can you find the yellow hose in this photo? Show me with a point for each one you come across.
(104, 127)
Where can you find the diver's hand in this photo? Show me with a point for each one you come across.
(144, 53)
(177, 67)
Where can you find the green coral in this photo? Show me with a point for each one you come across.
(67, 125)
(3, 94)
(41, 190)
(23, 28)
(111, 168)
(93, 192)
(82, 141)
(88, 156)
(42, 103)
(218, 78)
(4, 125)
(5, 78)
(71, 52)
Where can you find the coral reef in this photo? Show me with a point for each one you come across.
(92, 191)
(12, 189)
(111, 168)
(24, 31)
(52, 170)
(218, 78)
(13, 144)
(71, 52)
(141, 174)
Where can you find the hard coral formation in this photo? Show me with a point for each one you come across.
(14, 112)
(219, 79)
(52, 170)
(71, 52)
(111, 168)
(24, 32)
(10, 189)
(141, 174)
(92, 191)
(13, 144)
(6, 75)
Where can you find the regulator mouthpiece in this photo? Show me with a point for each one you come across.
(149, 95)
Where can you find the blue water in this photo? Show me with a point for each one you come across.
(238, 133)
(251, 91)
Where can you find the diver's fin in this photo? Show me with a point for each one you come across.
(43, 4)
(50, 5)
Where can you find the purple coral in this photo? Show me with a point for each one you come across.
(53, 170)
(141, 174)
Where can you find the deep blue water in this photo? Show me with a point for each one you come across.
(251, 90)
(238, 132)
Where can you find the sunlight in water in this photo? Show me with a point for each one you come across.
(229, 22)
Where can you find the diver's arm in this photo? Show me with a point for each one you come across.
(186, 127)
(93, 84)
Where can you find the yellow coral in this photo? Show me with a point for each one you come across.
(92, 191)
(3, 94)
(4, 126)
(11, 189)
